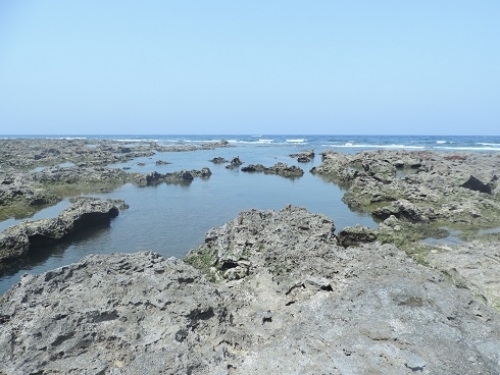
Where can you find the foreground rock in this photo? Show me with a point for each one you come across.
(17, 240)
(474, 265)
(289, 300)
(280, 169)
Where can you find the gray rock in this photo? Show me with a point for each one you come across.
(355, 235)
(306, 305)
(280, 169)
(235, 163)
(219, 160)
(17, 240)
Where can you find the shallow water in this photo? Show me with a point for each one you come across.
(172, 219)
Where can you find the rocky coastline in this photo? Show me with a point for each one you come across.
(270, 291)
(36, 173)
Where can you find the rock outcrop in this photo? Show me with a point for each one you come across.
(280, 169)
(235, 163)
(422, 186)
(304, 157)
(17, 240)
(289, 300)
(181, 177)
(219, 160)
(356, 235)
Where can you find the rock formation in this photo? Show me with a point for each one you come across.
(280, 169)
(235, 163)
(288, 299)
(17, 240)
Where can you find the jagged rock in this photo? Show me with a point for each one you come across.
(306, 305)
(431, 181)
(404, 210)
(280, 169)
(162, 162)
(304, 157)
(17, 240)
(202, 173)
(235, 163)
(355, 235)
(129, 314)
(219, 160)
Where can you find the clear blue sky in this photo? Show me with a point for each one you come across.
(213, 67)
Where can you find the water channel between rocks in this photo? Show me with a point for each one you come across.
(171, 219)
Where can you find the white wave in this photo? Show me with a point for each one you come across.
(298, 140)
(489, 144)
(265, 140)
(66, 138)
(441, 142)
(199, 140)
(471, 148)
(352, 145)
(136, 140)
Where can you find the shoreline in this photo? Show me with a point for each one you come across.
(258, 280)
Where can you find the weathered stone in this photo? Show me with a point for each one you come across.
(355, 235)
(280, 169)
(16, 241)
(306, 305)
(235, 163)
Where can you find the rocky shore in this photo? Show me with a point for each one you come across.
(269, 292)
(18, 240)
(435, 189)
(35, 173)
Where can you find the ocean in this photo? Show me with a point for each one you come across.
(172, 219)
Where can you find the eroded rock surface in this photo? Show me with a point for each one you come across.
(280, 169)
(419, 186)
(301, 304)
(17, 240)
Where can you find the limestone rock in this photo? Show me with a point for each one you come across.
(17, 240)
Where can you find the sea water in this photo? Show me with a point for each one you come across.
(172, 219)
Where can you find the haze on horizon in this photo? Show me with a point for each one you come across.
(221, 67)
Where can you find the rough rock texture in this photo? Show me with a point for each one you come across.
(355, 235)
(280, 169)
(304, 157)
(117, 314)
(301, 305)
(219, 160)
(235, 163)
(461, 189)
(68, 167)
(181, 177)
(17, 240)
(474, 265)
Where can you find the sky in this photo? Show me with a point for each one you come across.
(246, 67)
